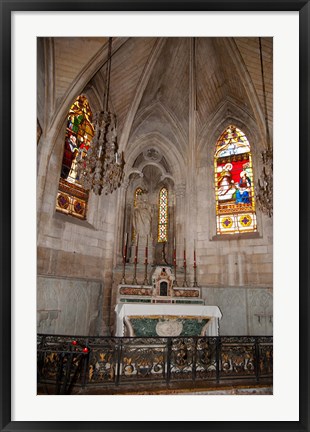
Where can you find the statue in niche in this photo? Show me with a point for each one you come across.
(142, 216)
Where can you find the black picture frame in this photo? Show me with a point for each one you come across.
(7, 7)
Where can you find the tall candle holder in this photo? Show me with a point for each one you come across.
(195, 284)
(184, 265)
(175, 283)
(145, 282)
(124, 260)
(134, 281)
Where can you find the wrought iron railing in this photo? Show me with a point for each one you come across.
(67, 362)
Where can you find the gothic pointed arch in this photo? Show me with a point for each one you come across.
(234, 184)
(138, 192)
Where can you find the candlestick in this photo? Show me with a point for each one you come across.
(195, 284)
(146, 250)
(137, 245)
(195, 267)
(125, 247)
(134, 281)
(175, 283)
(124, 259)
(145, 282)
(185, 281)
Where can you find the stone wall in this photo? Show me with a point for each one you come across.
(69, 306)
(79, 262)
(246, 311)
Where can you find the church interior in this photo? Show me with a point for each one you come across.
(154, 206)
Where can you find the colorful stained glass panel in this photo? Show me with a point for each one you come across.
(234, 184)
(232, 142)
(163, 216)
(79, 133)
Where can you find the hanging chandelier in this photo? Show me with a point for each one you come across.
(264, 188)
(102, 169)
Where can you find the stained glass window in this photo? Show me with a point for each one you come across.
(163, 216)
(234, 185)
(138, 191)
(72, 198)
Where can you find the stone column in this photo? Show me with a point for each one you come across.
(191, 202)
(180, 222)
(120, 223)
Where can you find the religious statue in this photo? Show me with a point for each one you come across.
(142, 216)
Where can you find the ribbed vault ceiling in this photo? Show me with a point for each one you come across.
(151, 87)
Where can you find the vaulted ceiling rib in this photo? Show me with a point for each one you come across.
(165, 99)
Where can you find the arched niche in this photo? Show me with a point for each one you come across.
(148, 175)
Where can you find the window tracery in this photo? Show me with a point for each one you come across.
(163, 216)
(138, 192)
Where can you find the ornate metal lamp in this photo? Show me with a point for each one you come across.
(264, 188)
(102, 169)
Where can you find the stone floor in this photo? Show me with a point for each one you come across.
(232, 387)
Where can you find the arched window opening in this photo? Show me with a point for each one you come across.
(72, 198)
(234, 185)
(163, 216)
(138, 192)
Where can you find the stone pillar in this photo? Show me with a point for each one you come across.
(120, 223)
(180, 222)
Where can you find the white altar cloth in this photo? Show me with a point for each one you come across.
(134, 309)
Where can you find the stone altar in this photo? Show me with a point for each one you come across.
(166, 320)
(162, 309)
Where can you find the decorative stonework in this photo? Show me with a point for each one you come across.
(152, 154)
(186, 292)
(135, 291)
(169, 328)
(162, 281)
(71, 199)
(166, 326)
(161, 290)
